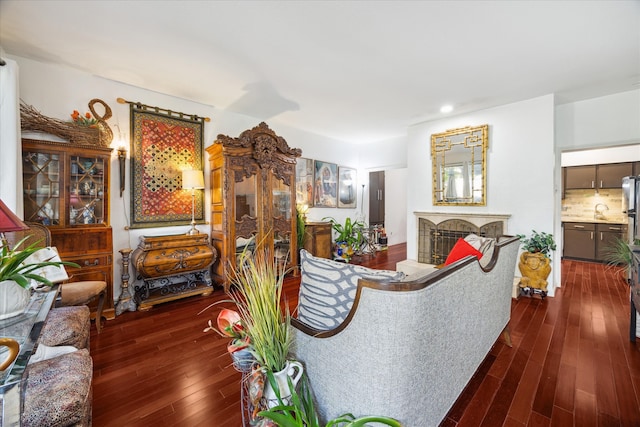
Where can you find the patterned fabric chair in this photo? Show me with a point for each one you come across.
(67, 326)
(78, 293)
(58, 391)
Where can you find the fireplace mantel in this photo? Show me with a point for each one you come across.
(477, 219)
(424, 235)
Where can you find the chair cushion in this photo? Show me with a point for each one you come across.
(58, 391)
(67, 326)
(328, 288)
(460, 250)
(77, 293)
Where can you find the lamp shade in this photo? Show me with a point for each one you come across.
(192, 180)
(9, 221)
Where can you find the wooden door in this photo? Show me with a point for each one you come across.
(376, 198)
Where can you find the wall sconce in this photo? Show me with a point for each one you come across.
(192, 180)
(122, 157)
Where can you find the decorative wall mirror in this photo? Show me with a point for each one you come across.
(459, 166)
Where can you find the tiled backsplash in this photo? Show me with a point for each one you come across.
(581, 204)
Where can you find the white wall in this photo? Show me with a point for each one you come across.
(595, 156)
(56, 91)
(395, 206)
(599, 122)
(521, 168)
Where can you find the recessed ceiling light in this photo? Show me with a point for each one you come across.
(446, 108)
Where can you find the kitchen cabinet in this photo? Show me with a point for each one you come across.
(579, 240)
(66, 188)
(590, 241)
(596, 176)
(317, 239)
(606, 235)
(252, 198)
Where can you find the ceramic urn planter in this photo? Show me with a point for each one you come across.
(535, 268)
(13, 299)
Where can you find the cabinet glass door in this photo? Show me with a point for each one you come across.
(281, 212)
(86, 200)
(246, 225)
(41, 187)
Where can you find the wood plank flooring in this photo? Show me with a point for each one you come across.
(571, 363)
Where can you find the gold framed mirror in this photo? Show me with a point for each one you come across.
(459, 159)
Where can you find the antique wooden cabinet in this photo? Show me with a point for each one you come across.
(317, 239)
(66, 188)
(252, 198)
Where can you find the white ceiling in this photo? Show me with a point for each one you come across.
(356, 71)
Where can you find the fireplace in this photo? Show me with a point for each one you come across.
(437, 232)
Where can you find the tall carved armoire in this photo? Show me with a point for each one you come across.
(252, 198)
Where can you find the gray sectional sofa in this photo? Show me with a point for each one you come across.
(396, 347)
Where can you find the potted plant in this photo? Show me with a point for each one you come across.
(301, 412)
(348, 239)
(535, 262)
(619, 253)
(256, 290)
(229, 324)
(17, 274)
(301, 226)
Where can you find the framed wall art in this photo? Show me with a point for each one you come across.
(347, 192)
(163, 144)
(304, 182)
(325, 190)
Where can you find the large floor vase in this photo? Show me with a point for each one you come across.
(535, 268)
(292, 370)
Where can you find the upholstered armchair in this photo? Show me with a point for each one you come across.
(76, 294)
(407, 349)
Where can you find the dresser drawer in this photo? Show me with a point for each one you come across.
(92, 267)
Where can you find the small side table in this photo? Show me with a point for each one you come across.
(172, 267)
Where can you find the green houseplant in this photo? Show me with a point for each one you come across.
(538, 243)
(301, 412)
(301, 226)
(256, 290)
(619, 254)
(348, 238)
(16, 275)
(535, 262)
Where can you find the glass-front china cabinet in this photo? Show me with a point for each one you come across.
(252, 198)
(65, 187)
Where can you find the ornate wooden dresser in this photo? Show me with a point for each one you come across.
(172, 267)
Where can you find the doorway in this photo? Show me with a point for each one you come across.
(376, 198)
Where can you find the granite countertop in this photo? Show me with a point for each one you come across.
(595, 221)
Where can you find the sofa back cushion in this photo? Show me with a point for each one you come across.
(328, 288)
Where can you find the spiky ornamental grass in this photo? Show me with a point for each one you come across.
(256, 290)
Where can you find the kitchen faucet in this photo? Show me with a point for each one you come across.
(598, 214)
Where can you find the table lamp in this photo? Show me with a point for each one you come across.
(9, 222)
(192, 180)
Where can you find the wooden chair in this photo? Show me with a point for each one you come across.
(71, 293)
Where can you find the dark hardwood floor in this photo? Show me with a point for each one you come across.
(571, 363)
